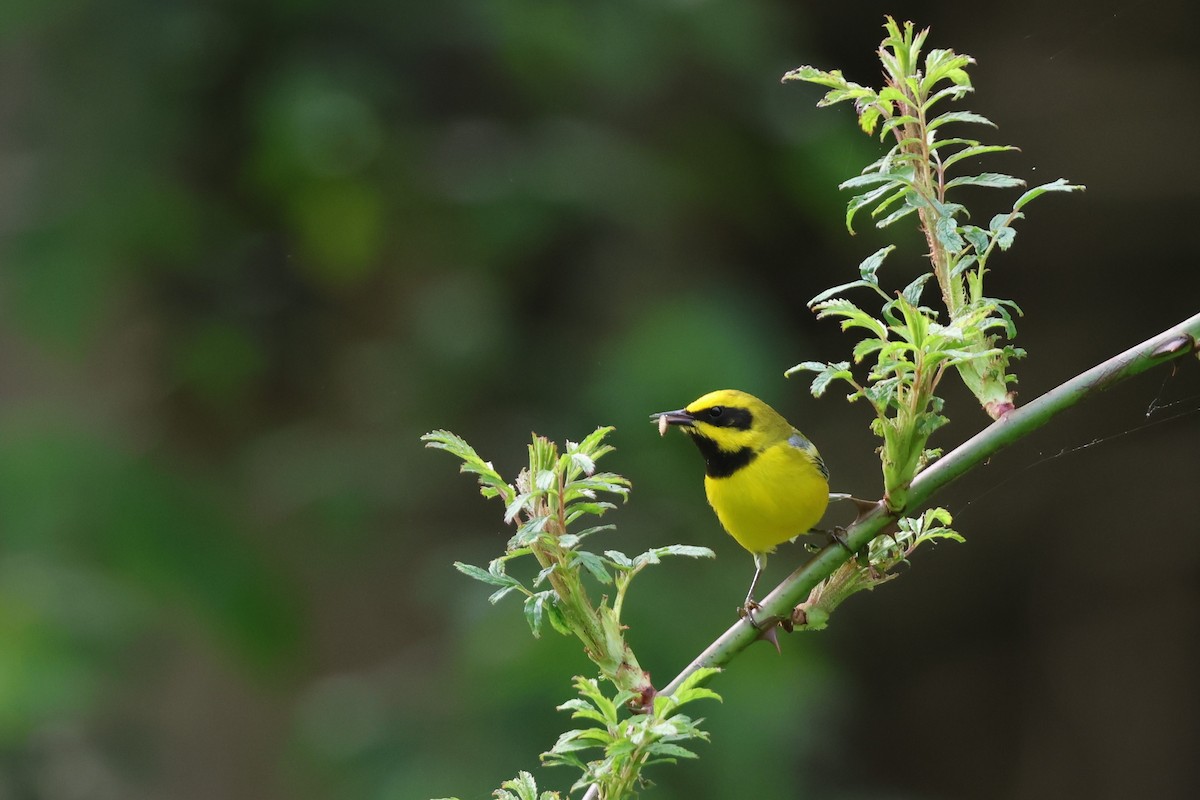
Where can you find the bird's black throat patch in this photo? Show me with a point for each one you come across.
(720, 463)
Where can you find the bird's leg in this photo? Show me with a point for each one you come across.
(748, 607)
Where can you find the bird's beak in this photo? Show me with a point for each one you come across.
(665, 418)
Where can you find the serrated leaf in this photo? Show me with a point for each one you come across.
(958, 116)
(581, 709)
(832, 372)
(578, 509)
(953, 92)
(840, 95)
(874, 178)
(583, 462)
(805, 366)
(579, 535)
(962, 265)
(899, 213)
(1004, 237)
(483, 575)
(868, 118)
(901, 194)
(979, 240)
(697, 678)
(912, 292)
(555, 615)
(535, 613)
(870, 265)
(1059, 185)
(665, 751)
(976, 150)
(993, 180)
(860, 201)
(514, 508)
(618, 558)
(946, 231)
(593, 564)
(498, 595)
(544, 479)
(836, 290)
(865, 347)
(894, 122)
(814, 75)
(653, 555)
(686, 551)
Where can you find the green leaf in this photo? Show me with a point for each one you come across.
(535, 606)
(865, 347)
(854, 92)
(873, 178)
(870, 265)
(953, 92)
(912, 292)
(868, 117)
(585, 532)
(900, 194)
(1059, 185)
(805, 366)
(959, 116)
(593, 564)
(832, 79)
(946, 230)
(893, 95)
(831, 372)
(994, 180)
(852, 316)
(861, 200)
(963, 264)
(498, 595)
(583, 462)
(579, 509)
(894, 122)
(514, 507)
(483, 575)
(618, 558)
(976, 150)
(653, 555)
(828, 293)
(667, 752)
(899, 213)
(687, 689)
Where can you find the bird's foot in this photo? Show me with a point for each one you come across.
(760, 623)
(747, 610)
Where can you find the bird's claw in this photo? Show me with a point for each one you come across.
(838, 535)
(761, 624)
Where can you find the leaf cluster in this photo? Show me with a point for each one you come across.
(911, 345)
(873, 565)
(522, 787)
(545, 502)
(628, 743)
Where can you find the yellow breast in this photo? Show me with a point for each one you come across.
(779, 495)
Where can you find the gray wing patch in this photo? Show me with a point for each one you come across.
(797, 439)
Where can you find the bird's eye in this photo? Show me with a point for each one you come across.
(716, 411)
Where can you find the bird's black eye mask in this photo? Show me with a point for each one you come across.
(725, 417)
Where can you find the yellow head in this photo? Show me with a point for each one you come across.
(729, 427)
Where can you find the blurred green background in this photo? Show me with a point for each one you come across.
(250, 252)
